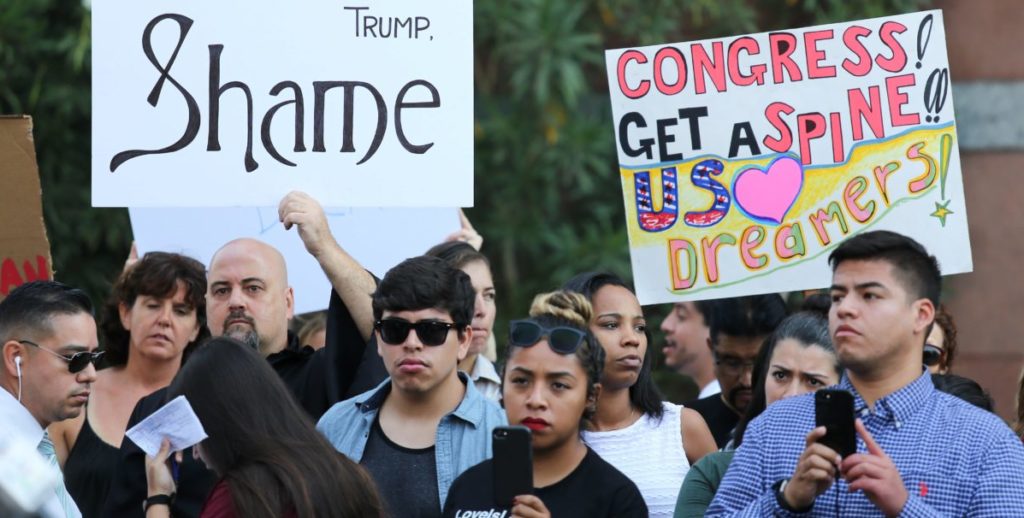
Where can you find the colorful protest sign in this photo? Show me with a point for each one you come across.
(744, 161)
(410, 232)
(24, 249)
(200, 103)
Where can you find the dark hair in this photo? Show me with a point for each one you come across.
(263, 445)
(27, 310)
(155, 275)
(807, 327)
(426, 283)
(916, 269)
(644, 394)
(820, 303)
(944, 320)
(457, 254)
(965, 389)
(1019, 427)
(568, 309)
(747, 317)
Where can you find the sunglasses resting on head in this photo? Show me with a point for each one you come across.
(561, 339)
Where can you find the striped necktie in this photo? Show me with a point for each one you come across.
(45, 449)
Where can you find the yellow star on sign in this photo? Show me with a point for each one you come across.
(941, 211)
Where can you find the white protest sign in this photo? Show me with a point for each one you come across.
(744, 161)
(366, 103)
(377, 238)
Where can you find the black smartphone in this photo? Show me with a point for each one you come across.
(833, 409)
(513, 463)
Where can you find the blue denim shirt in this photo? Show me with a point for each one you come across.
(463, 436)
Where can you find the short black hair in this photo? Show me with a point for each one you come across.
(746, 317)
(965, 389)
(426, 283)
(27, 310)
(914, 266)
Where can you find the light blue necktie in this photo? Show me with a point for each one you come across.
(45, 449)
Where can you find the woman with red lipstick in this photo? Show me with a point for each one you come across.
(631, 411)
(551, 385)
(155, 315)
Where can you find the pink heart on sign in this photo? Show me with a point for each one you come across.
(768, 194)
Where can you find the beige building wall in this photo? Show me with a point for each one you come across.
(986, 52)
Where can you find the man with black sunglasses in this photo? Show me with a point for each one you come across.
(425, 424)
(49, 343)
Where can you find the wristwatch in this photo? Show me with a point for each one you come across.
(157, 500)
(780, 488)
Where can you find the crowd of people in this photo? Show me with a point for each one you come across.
(394, 411)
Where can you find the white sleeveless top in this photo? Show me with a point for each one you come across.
(649, 452)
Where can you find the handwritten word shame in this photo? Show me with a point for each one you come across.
(11, 277)
(370, 26)
(418, 88)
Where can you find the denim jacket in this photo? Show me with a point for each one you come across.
(463, 436)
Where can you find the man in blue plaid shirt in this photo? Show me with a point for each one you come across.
(920, 452)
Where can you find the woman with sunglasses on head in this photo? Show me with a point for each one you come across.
(631, 411)
(270, 460)
(464, 256)
(797, 358)
(551, 385)
(154, 316)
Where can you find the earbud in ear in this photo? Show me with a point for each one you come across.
(17, 365)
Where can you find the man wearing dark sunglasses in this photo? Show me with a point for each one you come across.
(426, 423)
(49, 343)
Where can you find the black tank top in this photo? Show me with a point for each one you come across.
(88, 470)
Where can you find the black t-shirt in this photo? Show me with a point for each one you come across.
(405, 477)
(594, 489)
(719, 417)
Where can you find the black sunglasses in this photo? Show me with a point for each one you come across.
(394, 331)
(932, 355)
(76, 362)
(526, 333)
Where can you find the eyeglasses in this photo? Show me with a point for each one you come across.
(932, 355)
(562, 339)
(734, 366)
(76, 362)
(394, 331)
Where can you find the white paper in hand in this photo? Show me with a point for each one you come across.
(175, 421)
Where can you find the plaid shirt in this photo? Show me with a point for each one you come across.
(954, 459)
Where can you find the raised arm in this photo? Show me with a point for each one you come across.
(350, 280)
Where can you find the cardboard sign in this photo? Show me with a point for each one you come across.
(377, 238)
(744, 161)
(24, 249)
(366, 103)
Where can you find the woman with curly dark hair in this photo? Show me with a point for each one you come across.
(155, 315)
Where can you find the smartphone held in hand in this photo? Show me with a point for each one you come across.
(833, 409)
(513, 463)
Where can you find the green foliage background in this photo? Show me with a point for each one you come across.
(547, 197)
